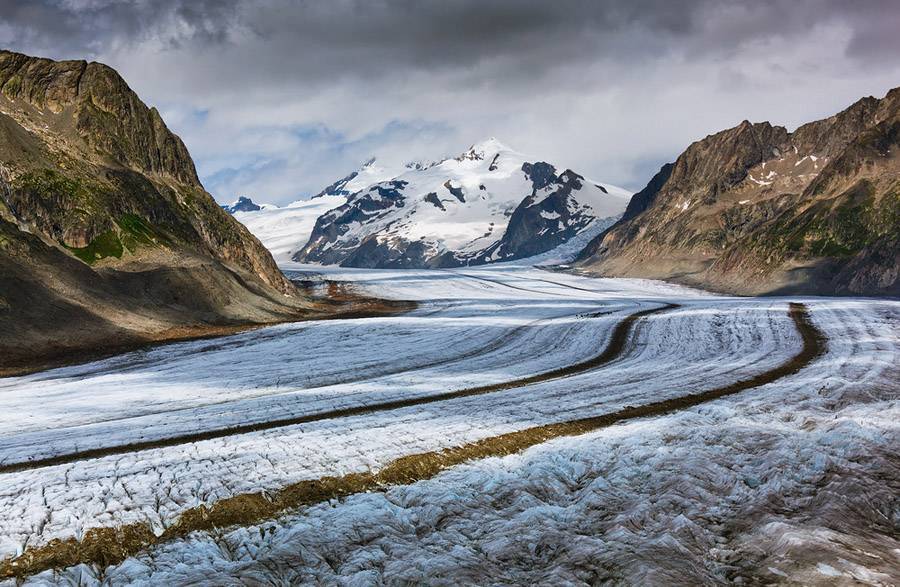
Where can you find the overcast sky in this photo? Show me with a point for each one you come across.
(277, 99)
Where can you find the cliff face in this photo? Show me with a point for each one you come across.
(755, 209)
(101, 109)
(98, 199)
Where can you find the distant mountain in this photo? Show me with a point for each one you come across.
(242, 204)
(285, 230)
(756, 209)
(107, 237)
(488, 204)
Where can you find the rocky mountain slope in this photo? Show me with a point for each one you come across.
(488, 204)
(755, 209)
(107, 237)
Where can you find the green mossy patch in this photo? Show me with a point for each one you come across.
(76, 202)
(101, 247)
(133, 233)
(136, 232)
(12, 87)
(825, 230)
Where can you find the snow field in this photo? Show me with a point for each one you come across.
(605, 500)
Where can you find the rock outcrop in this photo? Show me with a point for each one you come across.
(756, 209)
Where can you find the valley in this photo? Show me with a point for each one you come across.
(509, 352)
(453, 365)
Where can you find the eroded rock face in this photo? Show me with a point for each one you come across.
(332, 240)
(543, 222)
(104, 112)
(755, 209)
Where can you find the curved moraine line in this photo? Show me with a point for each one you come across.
(112, 545)
(496, 343)
(613, 351)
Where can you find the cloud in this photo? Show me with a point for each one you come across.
(278, 98)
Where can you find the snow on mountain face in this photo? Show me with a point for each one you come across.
(284, 230)
(488, 204)
(370, 173)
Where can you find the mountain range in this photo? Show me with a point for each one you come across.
(108, 239)
(756, 209)
(284, 230)
(487, 204)
(490, 203)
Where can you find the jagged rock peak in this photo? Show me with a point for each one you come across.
(108, 115)
(756, 209)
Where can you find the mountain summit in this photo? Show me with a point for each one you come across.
(480, 150)
(489, 203)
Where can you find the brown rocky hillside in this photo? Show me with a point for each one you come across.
(756, 210)
(107, 237)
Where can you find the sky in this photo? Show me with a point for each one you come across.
(276, 99)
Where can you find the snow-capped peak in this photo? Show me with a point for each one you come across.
(370, 172)
(491, 145)
(490, 203)
(483, 149)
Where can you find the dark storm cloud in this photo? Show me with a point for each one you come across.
(82, 27)
(606, 86)
(365, 37)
